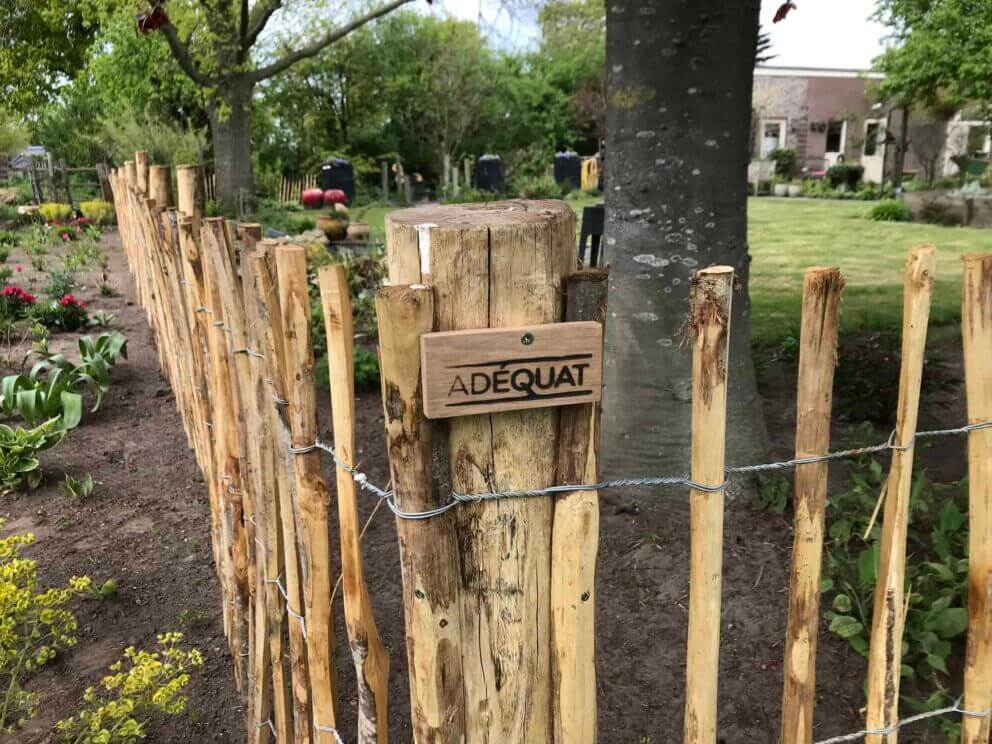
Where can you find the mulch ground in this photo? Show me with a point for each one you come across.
(147, 526)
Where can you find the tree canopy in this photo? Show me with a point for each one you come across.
(942, 54)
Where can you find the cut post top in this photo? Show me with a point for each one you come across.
(481, 214)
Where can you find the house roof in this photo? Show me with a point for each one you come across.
(826, 72)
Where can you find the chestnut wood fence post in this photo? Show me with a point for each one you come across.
(885, 651)
(497, 265)
(368, 653)
(976, 329)
(311, 490)
(822, 288)
(575, 543)
(709, 319)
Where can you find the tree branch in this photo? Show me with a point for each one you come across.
(312, 50)
(260, 15)
(181, 53)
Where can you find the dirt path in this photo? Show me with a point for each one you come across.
(147, 526)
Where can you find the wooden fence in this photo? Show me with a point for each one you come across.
(291, 188)
(499, 598)
(52, 181)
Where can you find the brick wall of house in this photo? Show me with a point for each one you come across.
(783, 98)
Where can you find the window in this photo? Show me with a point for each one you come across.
(872, 131)
(978, 141)
(772, 136)
(835, 136)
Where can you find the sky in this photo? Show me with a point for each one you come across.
(819, 33)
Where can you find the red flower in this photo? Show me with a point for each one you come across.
(17, 295)
(19, 268)
(69, 300)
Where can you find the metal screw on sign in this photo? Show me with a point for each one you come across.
(527, 339)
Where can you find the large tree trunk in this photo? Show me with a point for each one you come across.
(679, 106)
(230, 127)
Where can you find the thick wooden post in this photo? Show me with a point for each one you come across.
(270, 320)
(977, 333)
(885, 652)
(428, 548)
(131, 174)
(497, 265)
(311, 490)
(189, 187)
(822, 289)
(575, 543)
(160, 186)
(367, 651)
(141, 172)
(709, 318)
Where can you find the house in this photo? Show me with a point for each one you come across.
(826, 116)
(22, 161)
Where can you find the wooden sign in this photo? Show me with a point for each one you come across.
(507, 369)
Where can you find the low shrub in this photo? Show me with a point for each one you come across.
(540, 187)
(52, 212)
(99, 211)
(889, 210)
(848, 174)
(785, 162)
(61, 282)
(72, 313)
(35, 624)
(142, 684)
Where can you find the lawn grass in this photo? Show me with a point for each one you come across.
(788, 235)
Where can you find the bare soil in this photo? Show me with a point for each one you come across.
(147, 526)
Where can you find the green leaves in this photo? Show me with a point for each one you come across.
(52, 389)
(845, 626)
(19, 450)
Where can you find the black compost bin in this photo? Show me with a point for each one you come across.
(337, 173)
(568, 170)
(489, 173)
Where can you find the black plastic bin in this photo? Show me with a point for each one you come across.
(568, 170)
(337, 173)
(489, 173)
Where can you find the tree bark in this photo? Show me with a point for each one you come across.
(679, 102)
(230, 127)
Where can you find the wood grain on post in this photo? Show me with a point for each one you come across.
(311, 490)
(428, 548)
(130, 174)
(575, 543)
(160, 186)
(495, 265)
(268, 528)
(822, 288)
(885, 652)
(270, 320)
(709, 325)
(141, 172)
(977, 332)
(189, 192)
(228, 457)
(368, 653)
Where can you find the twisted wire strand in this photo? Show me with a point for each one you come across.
(884, 731)
(668, 480)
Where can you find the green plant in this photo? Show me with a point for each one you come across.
(107, 590)
(889, 210)
(772, 495)
(52, 212)
(77, 488)
(100, 211)
(4, 252)
(61, 282)
(101, 319)
(19, 450)
(847, 174)
(35, 398)
(143, 683)
(366, 369)
(107, 289)
(539, 187)
(936, 570)
(8, 238)
(785, 162)
(34, 626)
